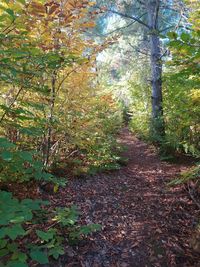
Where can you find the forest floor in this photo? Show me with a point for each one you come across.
(144, 222)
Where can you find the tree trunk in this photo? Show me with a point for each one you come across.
(158, 128)
(50, 119)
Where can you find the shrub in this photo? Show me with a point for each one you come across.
(23, 220)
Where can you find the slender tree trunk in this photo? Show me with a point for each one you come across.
(158, 128)
(50, 120)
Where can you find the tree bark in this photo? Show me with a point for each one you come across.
(50, 119)
(157, 127)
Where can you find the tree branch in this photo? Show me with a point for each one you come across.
(136, 19)
(139, 51)
(126, 26)
(129, 17)
(10, 106)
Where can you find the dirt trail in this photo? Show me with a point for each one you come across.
(144, 222)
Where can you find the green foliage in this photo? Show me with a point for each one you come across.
(78, 120)
(22, 166)
(66, 216)
(14, 215)
(92, 135)
(48, 109)
(140, 108)
(82, 231)
(181, 96)
(182, 92)
(191, 175)
(16, 221)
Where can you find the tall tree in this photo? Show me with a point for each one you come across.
(153, 8)
(151, 16)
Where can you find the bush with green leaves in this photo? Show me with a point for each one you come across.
(182, 88)
(22, 221)
(17, 165)
(181, 97)
(192, 174)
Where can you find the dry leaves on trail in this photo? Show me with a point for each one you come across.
(144, 223)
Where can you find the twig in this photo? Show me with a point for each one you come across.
(52, 225)
(129, 17)
(136, 19)
(72, 153)
(124, 27)
(13, 102)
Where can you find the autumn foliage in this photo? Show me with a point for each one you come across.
(51, 101)
(53, 116)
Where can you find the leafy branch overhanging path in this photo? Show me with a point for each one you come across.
(145, 223)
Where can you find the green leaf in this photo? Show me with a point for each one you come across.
(39, 256)
(185, 36)
(31, 131)
(16, 264)
(18, 219)
(6, 155)
(46, 236)
(4, 143)
(3, 231)
(27, 156)
(3, 252)
(56, 252)
(3, 243)
(172, 35)
(18, 255)
(66, 216)
(87, 229)
(12, 247)
(15, 231)
(10, 12)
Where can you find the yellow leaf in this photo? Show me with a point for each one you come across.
(88, 24)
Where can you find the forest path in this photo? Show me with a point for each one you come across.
(144, 222)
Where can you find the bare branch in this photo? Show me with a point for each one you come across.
(124, 27)
(119, 29)
(11, 105)
(138, 50)
(129, 17)
(136, 19)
